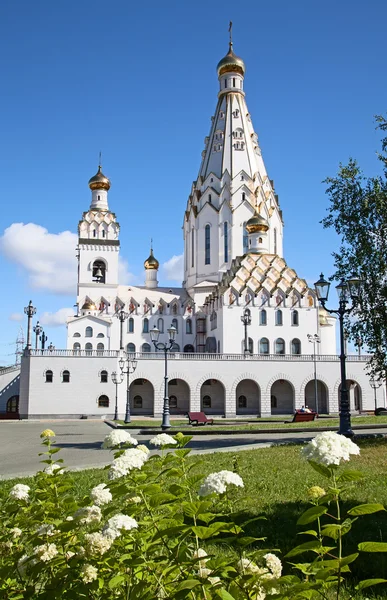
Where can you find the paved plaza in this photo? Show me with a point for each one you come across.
(80, 442)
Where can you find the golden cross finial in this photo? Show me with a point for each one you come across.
(230, 32)
(151, 245)
(100, 160)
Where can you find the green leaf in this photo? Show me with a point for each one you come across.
(314, 546)
(366, 509)
(116, 581)
(346, 560)
(188, 584)
(368, 582)
(224, 594)
(247, 540)
(312, 514)
(333, 531)
(176, 489)
(372, 547)
(322, 469)
(308, 532)
(350, 476)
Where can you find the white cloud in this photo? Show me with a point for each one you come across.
(16, 317)
(124, 275)
(56, 319)
(48, 258)
(174, 268)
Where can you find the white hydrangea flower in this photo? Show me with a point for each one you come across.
(245, 565)
(88, 573)
(16, 532)
(163, 439)
(46, 529)
(116, 438)
(50, 469)
(135, 500)
(200, 553)
(143, 448)
(97, 544)
(130, 459)
(330, 448)
(218, 482)
(274, 564)
(115, 524)
(101, 494)
(20, 492)
(46, 552)
(69, 554)
(88, 514)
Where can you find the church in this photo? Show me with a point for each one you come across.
(241, 322)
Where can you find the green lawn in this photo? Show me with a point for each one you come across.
(276, 480)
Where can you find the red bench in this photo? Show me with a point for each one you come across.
(199, 418)
(300, 417)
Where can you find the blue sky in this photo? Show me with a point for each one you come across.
(138, 81)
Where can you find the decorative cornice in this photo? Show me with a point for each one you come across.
(98, 242)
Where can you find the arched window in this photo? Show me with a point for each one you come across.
(145, 348)
(245, 239)
(278, 317)
(189, 348)
(296, 346)
(188, 326)
(77, 334)
(101, 335)
(242, 402)
(279, 347)
(263, 317)
(49, 376)
(175, 347)
(275, 241)
(99, 271)
(13, 404)
(76, 347)
(160, 325)
(100, 347)
(104, 376)
(207, 245)
(145, 326)
(295, 317)
(206, 401)
(66, 377)
(175, 324)
(264, 346)
(192, 247)
(137, 402)
(103, 401)
(89, 348)
(131, 348)
(131, 325)
(225, 234)
(89, 332)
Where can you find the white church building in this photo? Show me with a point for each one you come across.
(233, 265)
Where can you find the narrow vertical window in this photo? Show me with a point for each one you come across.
(275, 241)
(225, 230)
(233, 82)
(225, 83)
(207, 245)
(193, 247)
(245, 239)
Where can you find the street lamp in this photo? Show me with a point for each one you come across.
(246, 320)
(347, 290)
(29, 311)
(131, 366)
(43, 338)
(154, 334)
(375, 384)
(117, 378)
(37, 331)
(314, 339)
(122, 316)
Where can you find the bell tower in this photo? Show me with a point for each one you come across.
(98, 243)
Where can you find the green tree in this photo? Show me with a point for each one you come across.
(358, 213)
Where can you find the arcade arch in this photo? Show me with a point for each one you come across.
(322, 396)
(248, 398)
(212, 397)
(282, 397)
(141, 396)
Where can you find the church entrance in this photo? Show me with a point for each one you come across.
(141, 397)
(248, 398)
(322, 397)
(179, 397)
(282, 398)
(212, 397)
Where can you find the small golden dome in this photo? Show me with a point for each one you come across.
(322, 316)
(151, 262)
(256, 223)
(99, 181)
(231, 62)
(89, 306)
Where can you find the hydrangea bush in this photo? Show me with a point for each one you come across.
(147, 533)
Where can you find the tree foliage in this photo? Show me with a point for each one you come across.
(358, 213)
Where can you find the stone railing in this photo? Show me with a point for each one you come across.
(6, 370)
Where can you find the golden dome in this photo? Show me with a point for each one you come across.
(151, 262)
(99, 181)
(231, 62)
(256, 223)
(322, 316)
(89, 306)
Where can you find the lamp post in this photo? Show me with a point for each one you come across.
(314, 339)
(375, 384)
(29, 311)
(246, 320)
(131, 366)
(155, 333)
(122, 316)
(43, 338)
(347, 289)
(117, 378)
(37, 331)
